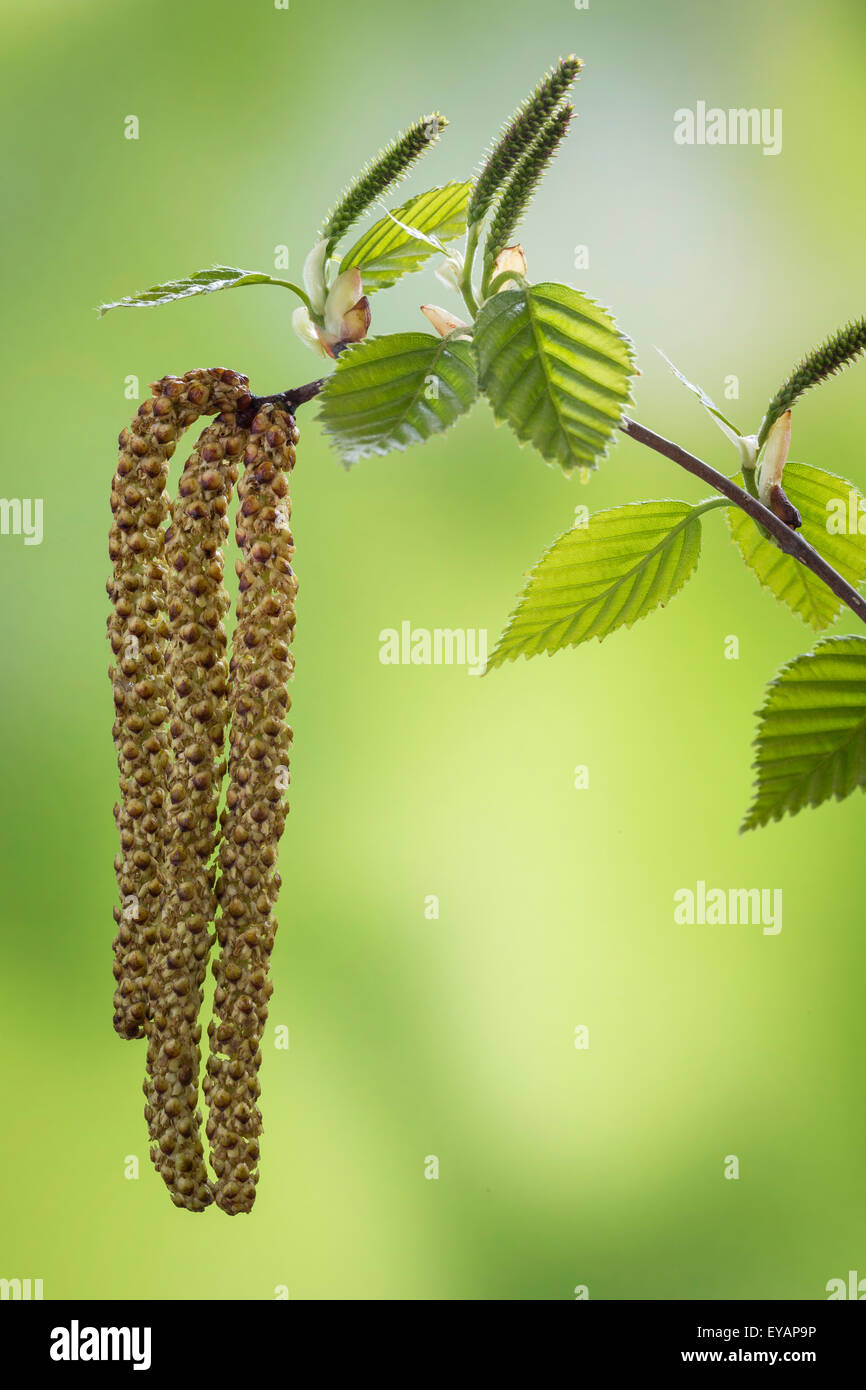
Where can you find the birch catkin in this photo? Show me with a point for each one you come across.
(197, 684)
(137, 633)
(255, 813)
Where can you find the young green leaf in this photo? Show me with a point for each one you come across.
(200, 282)
(389, 250)
(219, 277)
(554, 365)
(390, 392)
(606, 575)
(825, 503)
(811, 741)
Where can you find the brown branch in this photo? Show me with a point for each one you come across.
(289, 400)
(298, 395)
(788, 540)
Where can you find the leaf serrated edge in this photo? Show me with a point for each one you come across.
(749, 822)
(628, 400)
(817, 625)
(696, 510)
(361, 451)
(413, 233)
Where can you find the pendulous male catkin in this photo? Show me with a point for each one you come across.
(137, 633)
(255, 812)
(197, 602)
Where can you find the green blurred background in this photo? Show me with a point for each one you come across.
(409, 1037)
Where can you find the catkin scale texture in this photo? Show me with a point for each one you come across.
(255, 812)
(137, 634)
(841, 348)
(197, 603)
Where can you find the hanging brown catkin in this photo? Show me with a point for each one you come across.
(255, 813)
(198, 713)
(137, 633)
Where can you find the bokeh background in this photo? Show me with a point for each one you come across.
(454, 1038)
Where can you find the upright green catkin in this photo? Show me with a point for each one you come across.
(255, 812)
(198, 711)
(523, 182)
(137, 633)
(825, 361)
(524, 127)
(387, 169)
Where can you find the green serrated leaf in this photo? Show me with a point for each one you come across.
(606, 575)
(219, 277)
(554, 365)
(811, 741)
(810, 490)
(390, 392)
(400, 242)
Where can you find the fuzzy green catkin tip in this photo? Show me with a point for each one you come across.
(519, 134)
(836, 352)
(382, 173)
(524, 181)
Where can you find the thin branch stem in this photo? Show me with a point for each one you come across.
(298, 395)
(791, 542)
(296, 289)
(289, 400)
